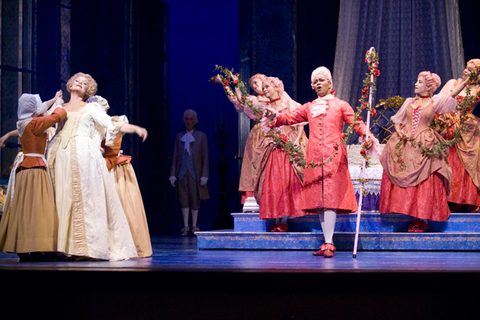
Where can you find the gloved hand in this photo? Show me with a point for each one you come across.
(172, 181)
(203, 181)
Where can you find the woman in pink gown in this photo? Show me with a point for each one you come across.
(256, 138)
(464, 156)
(414, 184)
(280, 189)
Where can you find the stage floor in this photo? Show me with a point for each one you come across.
(181, 282)
(175, 253)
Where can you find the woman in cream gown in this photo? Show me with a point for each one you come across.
(92, 222)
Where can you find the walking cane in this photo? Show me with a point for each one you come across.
(362, 174)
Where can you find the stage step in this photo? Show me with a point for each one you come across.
(370, 222)
(377, 232)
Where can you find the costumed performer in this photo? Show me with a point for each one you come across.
(126, 184)
(328, 188)
(190, 168)
(92, 223)
(412, 183)
(279, 182)
(255, 145)
(29, 223)
(464, 156)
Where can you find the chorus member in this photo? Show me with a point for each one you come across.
(464, 156)
(126, 184)
(414, 184)
(190, 168)
(255, 145)
(29, 223)
(281, 188)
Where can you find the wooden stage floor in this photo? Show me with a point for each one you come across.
(181, 282)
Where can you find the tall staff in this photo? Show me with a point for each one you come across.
(371, 53)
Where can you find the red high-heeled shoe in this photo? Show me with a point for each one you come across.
(274, 228)
(327, 250)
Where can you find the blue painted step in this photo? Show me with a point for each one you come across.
(370, 222)
(377, 232)
(229, 239)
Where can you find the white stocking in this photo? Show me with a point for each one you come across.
(185, 212)
(194, 217)
(327, 221)
(282, 220)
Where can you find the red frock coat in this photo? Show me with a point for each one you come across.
(325, 132)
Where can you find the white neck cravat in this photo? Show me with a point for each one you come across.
(187, 138)
(320, 105)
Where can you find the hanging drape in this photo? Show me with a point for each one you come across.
(410, 36)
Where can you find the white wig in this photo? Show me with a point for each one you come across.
(321, 71)
(192, 113)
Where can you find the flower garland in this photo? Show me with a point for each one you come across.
(294, 153)
(369, 86)
(226, 80)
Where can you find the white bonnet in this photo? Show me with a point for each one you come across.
(30, 105)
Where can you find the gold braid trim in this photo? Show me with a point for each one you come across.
(80, 247)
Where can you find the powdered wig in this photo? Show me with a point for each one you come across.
(432, 81)
(321, 71)
(476, 63)
(190, 112)
(92, 84)
(276, 83)
(258, 76)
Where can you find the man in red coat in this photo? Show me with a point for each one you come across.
(327, 189)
